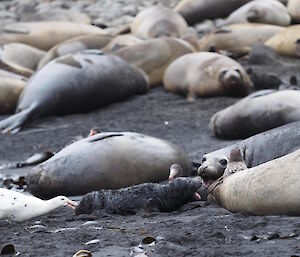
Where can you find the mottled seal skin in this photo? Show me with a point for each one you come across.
(158, 21)
(149, 196)
(76, 83)
(106, 161)
(268, 189)
(195, 11)
(256, 113)
(255, 150)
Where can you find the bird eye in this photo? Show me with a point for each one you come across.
(203, 159)
(223, 162)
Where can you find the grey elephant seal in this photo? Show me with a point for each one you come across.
(236, 162)
(255, 150)
(271, 188)
(158, 21)
(206, 74)
(107, 161)
(256, 113)
(80, 80)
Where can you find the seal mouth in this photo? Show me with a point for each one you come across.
(207, 180)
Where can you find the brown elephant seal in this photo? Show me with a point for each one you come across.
(76, 83)
(271, 188)
(15, 68)
(123, 159)
(21, 54)
(158, 21)
(257, 11)
(237, 38)
(255, 150)
(206, 74)
(74, 45)
(257, 113)
(44, 35)
(154, 56)
(286, 42)
(293, 7)
(195, 11)
(121, 41)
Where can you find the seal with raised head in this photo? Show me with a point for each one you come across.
(107, 161)
(206, 74)
(76, 83)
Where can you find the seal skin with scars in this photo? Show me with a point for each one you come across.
(106, 161)
(255, 150)
(238, 38)
(195, 11)
(121, 41)
(257, 11)
(286, 42)
(293, 7)
(44, 35)
(158, 21)
(268, 189)
(206, 74)
(74, 45)
(76, 83)
(256, 113)
(154, 56)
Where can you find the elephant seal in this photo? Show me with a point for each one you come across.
(74, 45)
(21, 54)
(235, 163)
(76, 83)
(194, 11)
(256, 113)
(255, 150)
(237, 38)
(44, 35)
(206, 74)
(154, 56)
(286, 42)
(158, 21)
(293, 7)
(15, 68)
(123, 159)
(121, 41)
(257, 11)
(271, 188)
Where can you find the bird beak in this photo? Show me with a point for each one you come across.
(71, 204)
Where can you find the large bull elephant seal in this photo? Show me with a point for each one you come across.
(206, 74)
(76, 83)
(106, 160)
(74, 45)
(158, 21)
(293, 7)
(44, 35)
(195, 11)
(255, 150)
(154, 55)
(257, 113)
(268, 189)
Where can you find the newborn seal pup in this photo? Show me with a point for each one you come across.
(149, 196)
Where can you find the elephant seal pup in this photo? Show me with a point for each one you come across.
(76, 83)
(255, 150)
(257, 11)
(238, 38)
(293, 7)
(256, 113)
(206, 74)
(194, 11)
(44, 35)
(271, 188)
(121, 160)
(154, 56)
(74, 45)
(158, 21)
(121, 41)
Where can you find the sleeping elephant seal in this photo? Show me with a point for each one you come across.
(158, 21)
(44, 35)
(74, 45)
(106, 161)
(255, 150)
(194, 11)
(206, 74)
(121, 41)
(76, 83)
(257, 113)
(257, 11)
(293, 7)
(268, 189)
(154, 55)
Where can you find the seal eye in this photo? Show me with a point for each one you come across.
(203, 159)
(223, 162)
